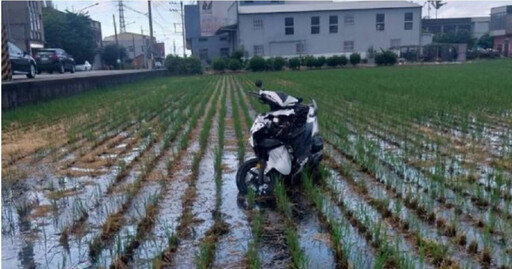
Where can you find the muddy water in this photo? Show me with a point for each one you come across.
(429, 232)
(204, 204)
(415, 181)
(232, 246)
(273, 250)
(170, 209)
(366, 214)
(85, 194)
(314, 236)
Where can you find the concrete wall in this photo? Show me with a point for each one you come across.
(363, 32)
(16, 94)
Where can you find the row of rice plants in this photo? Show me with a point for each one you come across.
(189, 198)
(205, 257)
(114, 221)
(150, 247)
(147, 222)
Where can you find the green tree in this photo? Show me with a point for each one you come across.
(111, 53)
(460, 37)
(71, 32)
(486, 42)
(237, 54)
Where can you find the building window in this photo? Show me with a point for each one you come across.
(333, 24)
(257, 24)
(288, 26)
(408, 21)
(130, 48)
(203, 54)
(498, 21)
(300, 48)
(223, 38)
(449, 28)
(315, 25)
(349, 19)
(348, 46)
(203, 39)
(224, 52)
(395, 43)
(380, 21)
(258, 50)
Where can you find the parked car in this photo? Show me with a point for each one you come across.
(159, 65)
(83, 67)
(54, 60)
(21, 62)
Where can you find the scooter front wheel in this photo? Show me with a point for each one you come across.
(247, 178)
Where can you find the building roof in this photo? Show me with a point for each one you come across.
(125, 36)
(331, 6)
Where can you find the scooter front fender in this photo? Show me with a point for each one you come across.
(279, 159)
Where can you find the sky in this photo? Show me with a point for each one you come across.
(167, 24)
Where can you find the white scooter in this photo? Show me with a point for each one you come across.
(285, 141)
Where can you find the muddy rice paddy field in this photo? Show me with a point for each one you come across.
(417, 174)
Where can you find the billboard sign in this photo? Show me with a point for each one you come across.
(215, 15)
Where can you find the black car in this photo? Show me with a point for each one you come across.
(21, 62)
(54, 60)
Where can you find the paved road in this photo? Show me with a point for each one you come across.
(56, 76)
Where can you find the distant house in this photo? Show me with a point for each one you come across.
(501, 29)
(137, 46)
(288, 29)
(477, 26)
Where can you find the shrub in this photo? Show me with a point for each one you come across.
(183, 66)
(410, 55)
(219, 64)
(193, 66)
(234, 64)
(294, 63)
(310, 61)
(175, 64)
(343, 60)
(257, 63)
(279, 63)
(355, 58)
(320, 61)
(385, 57)
(269, 64)
(333, 61)
(237, 54)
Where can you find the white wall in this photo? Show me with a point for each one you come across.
(363, 32)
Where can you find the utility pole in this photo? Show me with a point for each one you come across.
(122, 24)
(183, 31)
(117, 40)
(143, 47)
(133, 45)
(152, 61)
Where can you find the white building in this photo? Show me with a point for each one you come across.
(327, 28)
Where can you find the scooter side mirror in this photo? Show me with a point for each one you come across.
(258, 83)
